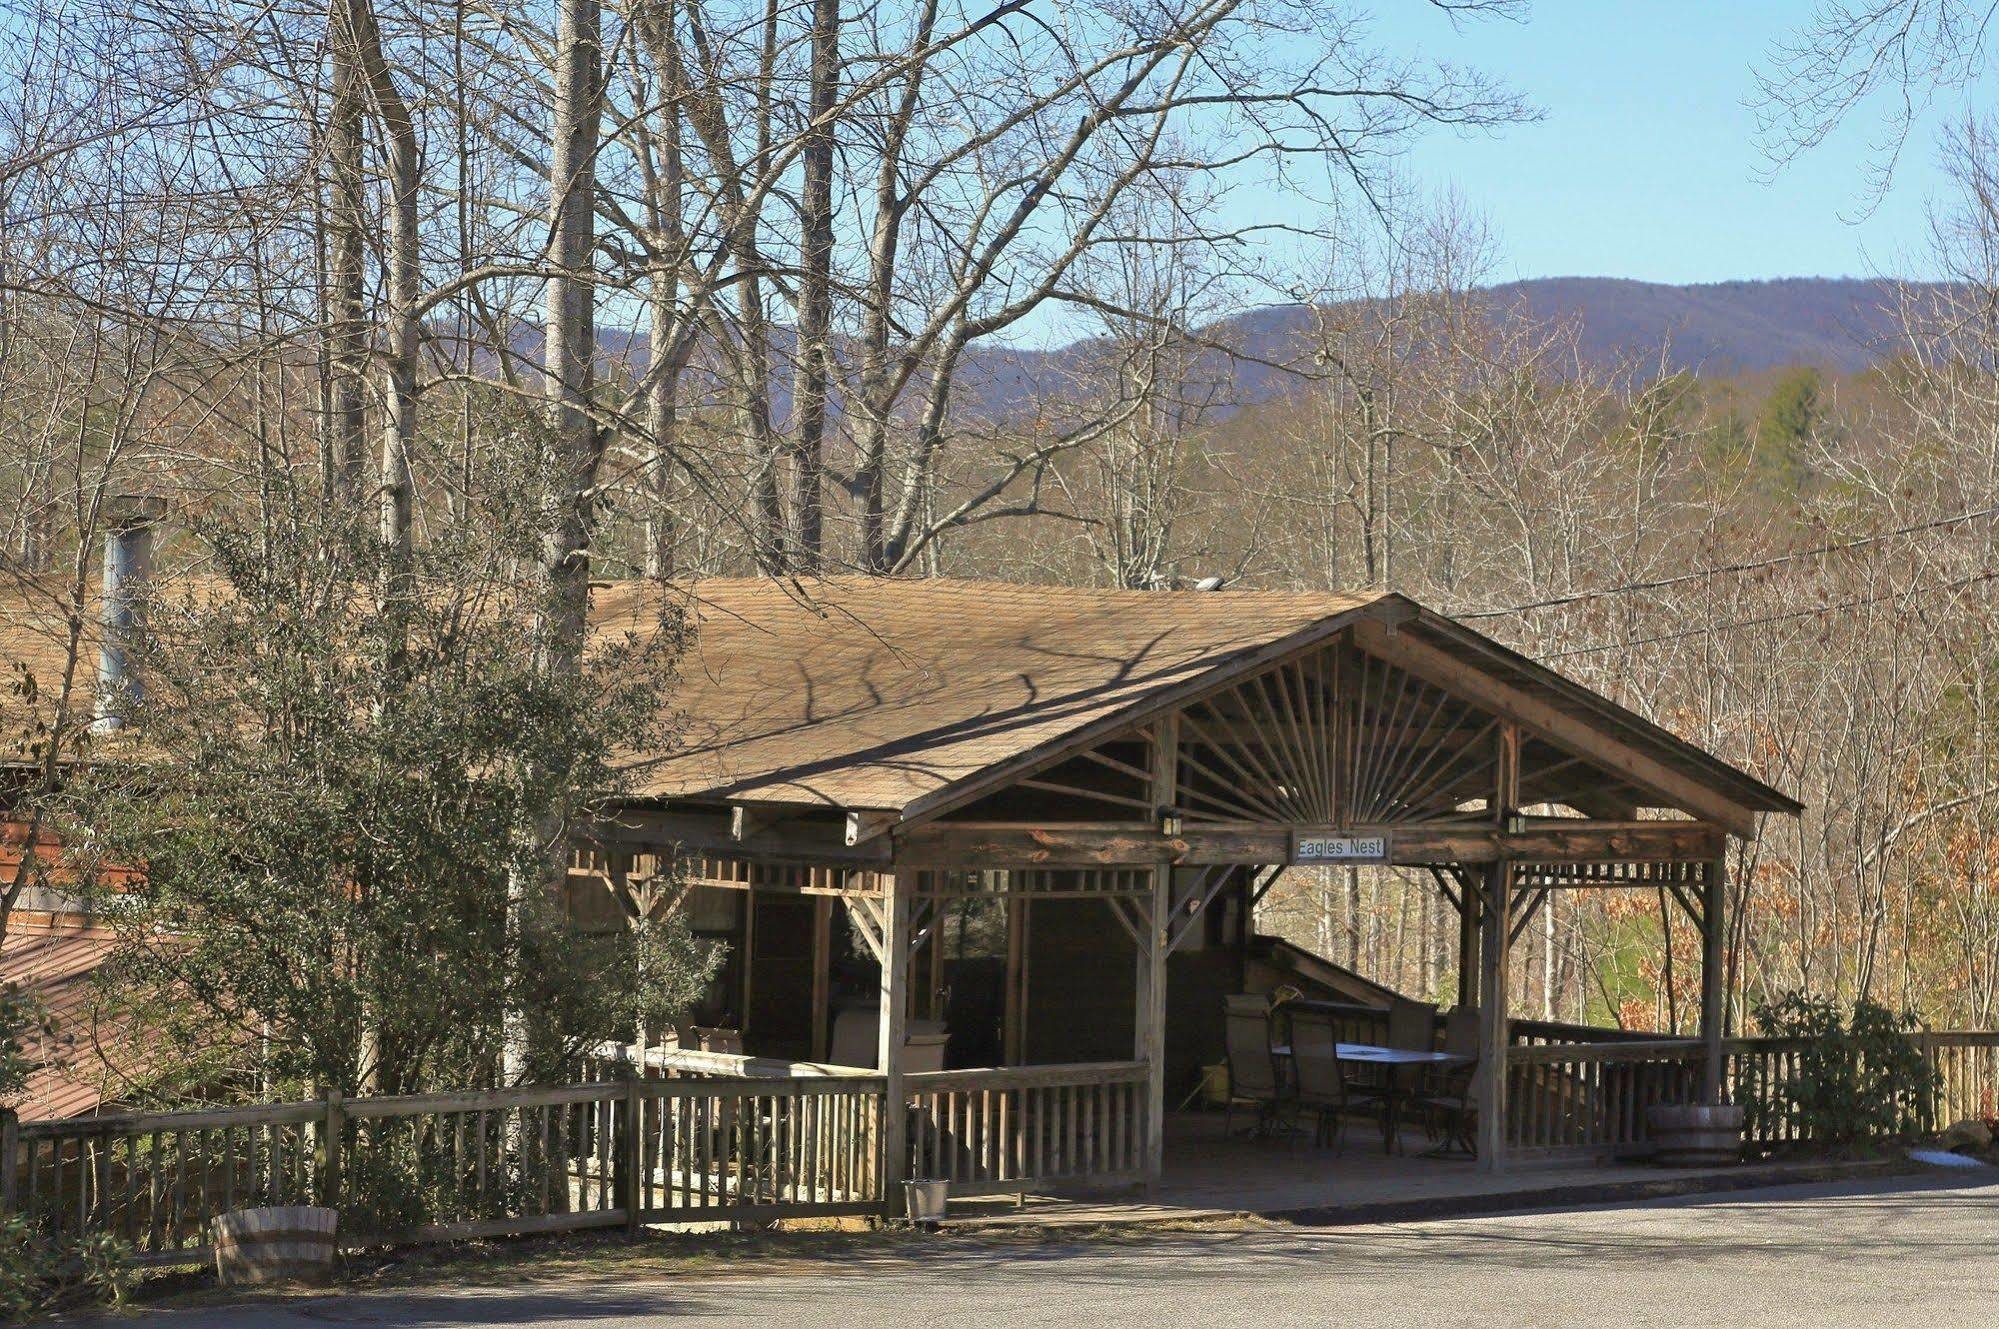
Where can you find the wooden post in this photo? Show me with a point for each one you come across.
(1149, 1024)
(822, 976)
(629, 1142)
(333, 1131)
(1468, 907)
(1015, 1021)
(1714, 986)
(749, 958)
(10, 1149)
(890, 1050)
(1493, 1035)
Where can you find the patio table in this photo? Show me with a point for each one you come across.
(1370, 1055)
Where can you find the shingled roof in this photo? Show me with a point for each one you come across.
(879, 695)
(868, 694)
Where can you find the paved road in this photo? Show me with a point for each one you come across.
(1883, 1255)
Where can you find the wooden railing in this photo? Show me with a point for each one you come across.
(678, 1138)
(1001, 1130)
(158, 1179)
(1543, 1033)
(1967, 1066)
(1591, 1097)
(475, 1164)
(728, 1151)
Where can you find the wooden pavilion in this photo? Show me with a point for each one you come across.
(1044, 816)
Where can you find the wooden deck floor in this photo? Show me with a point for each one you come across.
(1212, 1175)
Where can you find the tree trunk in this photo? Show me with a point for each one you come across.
(347, 326)
(815, 303)
(575, 445)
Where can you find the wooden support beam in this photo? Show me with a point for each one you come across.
(800, 836)
(1130, 915)
(870, 923)
(1261, 888)
(1150, 1026)
(1505, 797)
(890, 1051)
(1526, 904)
(822, 976)
(1493, 1030)
(1472, 897)
(1714, 987)
(865, 826)
(1446, 889)
(749, 965)
(1553, 725)
(1014, 1033)
(1097, 844)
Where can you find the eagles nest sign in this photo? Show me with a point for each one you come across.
(1311, 847)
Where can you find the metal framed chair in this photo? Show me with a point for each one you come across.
(1448, 1101)
(1448, 1104)
(1321, 1084)
(1253, 1077)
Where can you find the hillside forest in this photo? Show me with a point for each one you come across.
(681, 288)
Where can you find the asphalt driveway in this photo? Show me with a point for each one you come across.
(1896, 1254)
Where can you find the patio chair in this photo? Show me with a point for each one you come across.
(1461, 1030)
(857, 1036)
(1319, 1080)
(717, 1040)
(1412, 1026)
(1253, 1078)
(1448, 1105)
(924, 1052)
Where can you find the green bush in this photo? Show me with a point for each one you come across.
(1856, 1080)
(39, 1273)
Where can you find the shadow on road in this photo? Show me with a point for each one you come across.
(1910, 1223)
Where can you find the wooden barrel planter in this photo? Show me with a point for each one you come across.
(1692, 1135)
(292, 1242)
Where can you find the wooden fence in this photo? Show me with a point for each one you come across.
(1001, 1130)
(443, 1166)
(1590, 1097)
(699, 1138)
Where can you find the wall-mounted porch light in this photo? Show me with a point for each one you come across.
(1169, 823)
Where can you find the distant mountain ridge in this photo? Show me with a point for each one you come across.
(1840, 324)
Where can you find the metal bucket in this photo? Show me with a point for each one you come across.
(276, 1244)
(926, 1201)
(1686, 1135)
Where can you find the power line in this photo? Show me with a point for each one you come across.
(1813, 612)
(1733, 569)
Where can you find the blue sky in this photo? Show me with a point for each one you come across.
(1647, 164)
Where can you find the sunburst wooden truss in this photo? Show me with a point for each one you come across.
(1337, 737)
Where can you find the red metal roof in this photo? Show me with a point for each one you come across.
(87, 1056)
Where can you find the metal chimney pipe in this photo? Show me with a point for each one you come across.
(128, 561)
